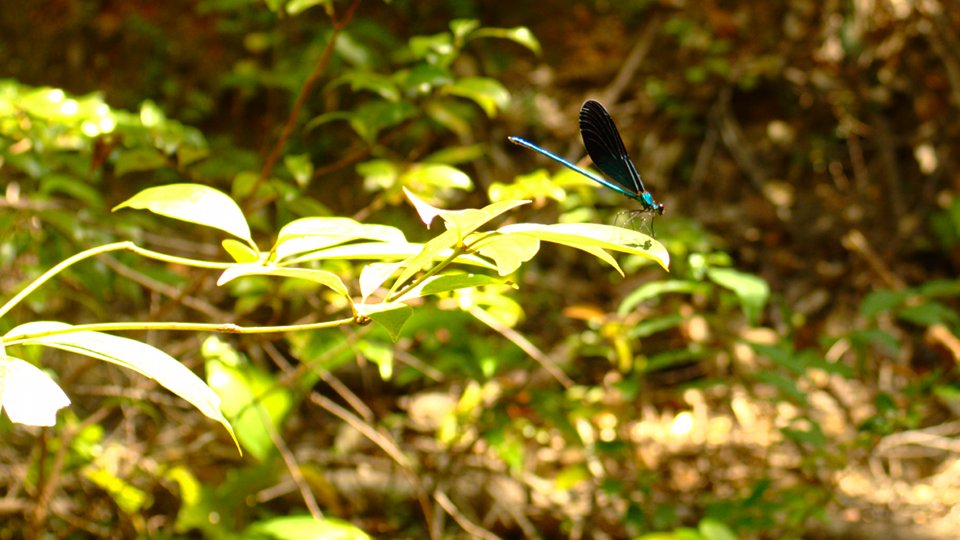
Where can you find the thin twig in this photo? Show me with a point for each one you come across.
(321, 65)
(546, 363)
(632, 63)
(470, 527)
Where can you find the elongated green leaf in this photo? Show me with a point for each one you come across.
(752, 291)
(593, 235)
(488, 93)
(131, 354)
(449, 282)
(27, 394)
(384, 86)
(316, 233)
(520, 35)
(464, 221)
(295, 7)
(194, 203)
(307, 527)
(373, 275)
(437, 176)
(431, 250)
(241, 253)
(371, 118)
(390, 315)
(251, 396)
(509, 251)
(385, 251)
(322, 277)
(657, 288)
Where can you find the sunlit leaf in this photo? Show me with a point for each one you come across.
(390, 315)
(194, 203)
(436, 175)
(27, 394)
(315, 233)
(295, 7)
(241, 253)
(431, 250)
(374, 275)
(386, 251)
(447, 283)
(328, 279)
(138, 356)
(307, 528)
(520, 35)
(594, 238)
(251, 396)
(509, 251)
(489, 94)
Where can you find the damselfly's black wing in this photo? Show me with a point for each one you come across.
(605, 147)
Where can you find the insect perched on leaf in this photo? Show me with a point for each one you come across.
(606, 149)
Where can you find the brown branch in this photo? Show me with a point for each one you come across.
(274, 156)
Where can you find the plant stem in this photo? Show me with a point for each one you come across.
(225, 328)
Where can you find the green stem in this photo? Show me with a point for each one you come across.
(116, 246)
(413, 284)
(225, 328)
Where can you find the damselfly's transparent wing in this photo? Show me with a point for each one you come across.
(636, 220)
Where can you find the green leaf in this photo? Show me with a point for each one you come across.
(457, 154)
(308, 528)
(328, 279)
(373, 275)
(194, 203)
(437, 49)
(489, 94)
(712, 529)
(751, 290)
(878, 302)
(786, 385)
(509, 251)
(594, 238)
(295, 7)
(140, 357)
(423, 78)
(300, 167)
(658, 288)
(928, 314)
(369, 119)
(448, 282)
(471, 219)
(129, 498)
(380, 84)
(139, 159)
(431, 251)
(386, 251)
(438, 176)
(251, 396)
(463, 221)
(390, 315)
(240, 252)
(519, 34)
(461, 28)
(315, 233)
(27, 394)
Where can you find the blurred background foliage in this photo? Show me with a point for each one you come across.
(794, 375)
